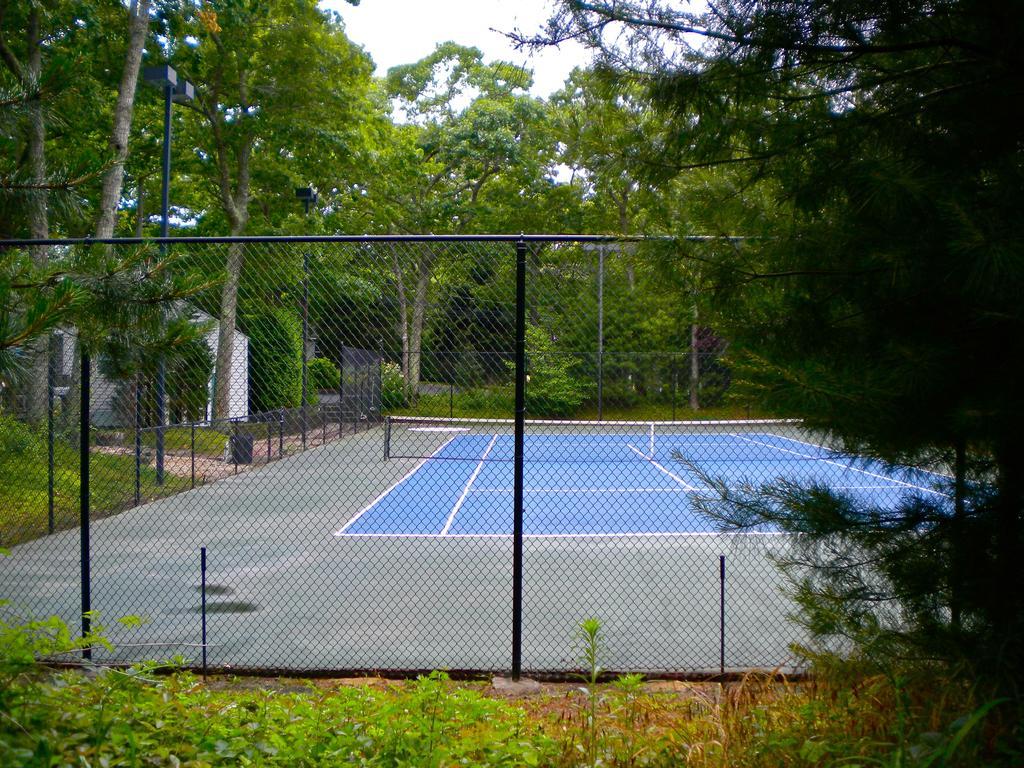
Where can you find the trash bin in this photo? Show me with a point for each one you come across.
(241, 449)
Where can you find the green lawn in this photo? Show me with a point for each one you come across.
(23, 485)
(497, 403)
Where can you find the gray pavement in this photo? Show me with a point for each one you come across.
(286, 593)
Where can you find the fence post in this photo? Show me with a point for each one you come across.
(675, 384)
(721, 614)
(517, 483)
(280, 434)
(202, 569)
(305, 339)
(600, 332)
(341, 393)
(83, 497)
(193, 452)
(50, 377)
(138, 440)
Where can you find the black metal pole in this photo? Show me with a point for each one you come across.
(341, 392)
(600, 332)
(83, 499)
(138, 440)
(305, 338)
(280, 434)
(517, 482)
(675, 385)
(161, 374)
(202, 567)
(50, 381)
(721, 614)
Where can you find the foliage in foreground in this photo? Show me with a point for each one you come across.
(136, 717)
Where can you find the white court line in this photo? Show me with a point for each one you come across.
(659, 534)
(381, 496)
(673, 475)
(822, 447)
(842, 466)
(651, 490)
(465, 491)
(584, 490)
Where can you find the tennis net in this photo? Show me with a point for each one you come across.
(564, 441)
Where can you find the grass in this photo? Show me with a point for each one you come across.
(497, 403)
(209, 440)
(24, 513)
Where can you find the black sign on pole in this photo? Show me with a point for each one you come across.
(517, 482)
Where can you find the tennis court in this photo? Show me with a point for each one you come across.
(600, 479)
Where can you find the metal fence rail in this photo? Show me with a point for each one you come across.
(399, 454)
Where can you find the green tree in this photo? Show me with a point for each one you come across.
(882, 302)
(280, 82)
(471, 128)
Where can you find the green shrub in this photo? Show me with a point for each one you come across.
(275, 359)
(551, 389)
(18, 438)
(619, 393)
(323, 374)
(392, 384)
(496, 402)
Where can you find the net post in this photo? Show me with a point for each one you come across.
(387, 437)
(517, 483)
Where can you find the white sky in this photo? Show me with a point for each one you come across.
(403, 31)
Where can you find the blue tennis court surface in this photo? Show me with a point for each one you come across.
(606, 485)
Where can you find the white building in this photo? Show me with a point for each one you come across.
(105, 393)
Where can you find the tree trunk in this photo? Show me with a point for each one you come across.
(1008, 575)
(402, 323)
(226, 330)
(138, 26)
(38, 215)
(235, 203)
(419, 312)
(694, 364)
(140, 210)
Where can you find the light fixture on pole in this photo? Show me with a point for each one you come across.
(308, 196)
(179, 91)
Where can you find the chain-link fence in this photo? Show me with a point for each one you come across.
(334, 422)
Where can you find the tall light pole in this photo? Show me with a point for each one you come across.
(308, 196)
(177, 90)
